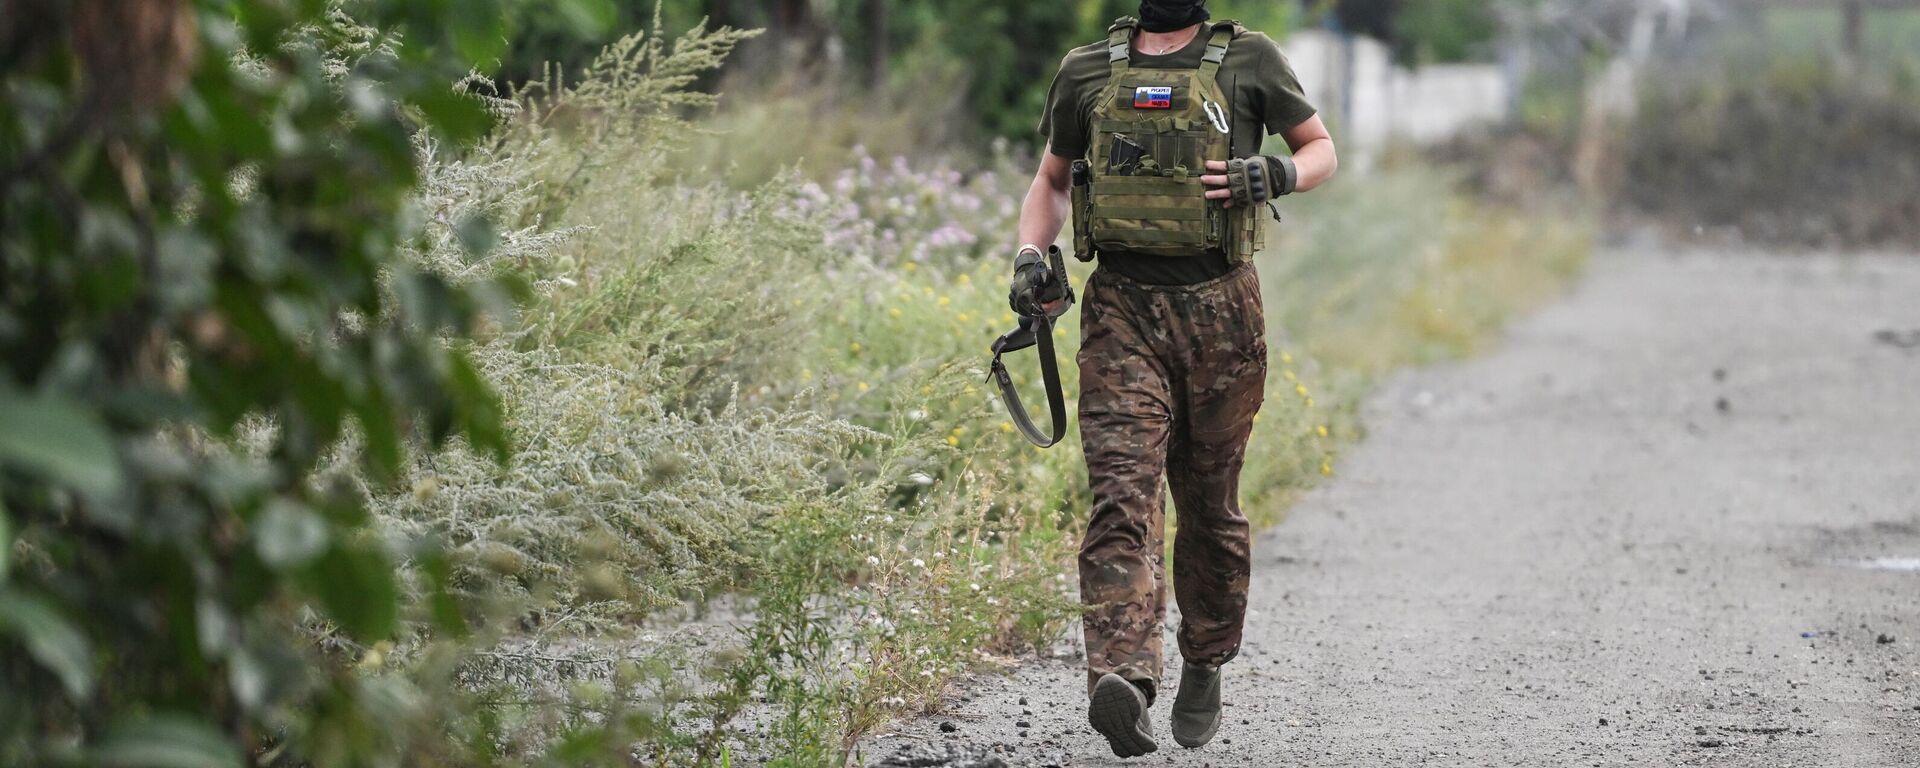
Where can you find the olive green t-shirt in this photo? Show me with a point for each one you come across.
(1266, 99)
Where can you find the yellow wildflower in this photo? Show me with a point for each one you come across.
(1326, 468)
(912, 267)
(1300, 389)
(966, 317)
(1286, 358)
(854, 347)
(1289, 376)
(945, 301)
(893, 312)
(863, 386)
(1008, 428)
(953, 441)
(966, 279)
(1322, 430)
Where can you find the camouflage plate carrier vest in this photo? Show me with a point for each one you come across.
(1153, 132)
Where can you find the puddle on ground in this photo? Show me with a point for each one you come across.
(1899, 564)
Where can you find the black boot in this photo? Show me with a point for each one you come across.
(1119, 712)
(1196, 710)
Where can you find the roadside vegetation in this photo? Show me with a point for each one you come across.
(750, 404)
(1776, 136)
(1759, 127)
(778, 393)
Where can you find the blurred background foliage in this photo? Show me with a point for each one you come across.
(1424, 31)
(971, 65)
(1782, 130)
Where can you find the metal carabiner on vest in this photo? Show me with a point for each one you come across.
(1218, 117)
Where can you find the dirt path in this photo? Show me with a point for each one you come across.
(1632, 535)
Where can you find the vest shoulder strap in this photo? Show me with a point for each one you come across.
(1223, 32)
(1120, 44)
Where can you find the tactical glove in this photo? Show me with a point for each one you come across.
(1033, 285)
(1255, 180)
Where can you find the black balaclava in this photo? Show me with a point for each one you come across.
(1169, 15)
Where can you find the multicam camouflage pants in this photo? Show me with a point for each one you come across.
(1170, 380)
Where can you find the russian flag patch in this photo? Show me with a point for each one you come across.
(1153, 97)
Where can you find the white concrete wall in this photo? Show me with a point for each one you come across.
(1435, 103)
(1372, 103)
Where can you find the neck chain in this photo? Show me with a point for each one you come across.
(1191, 34)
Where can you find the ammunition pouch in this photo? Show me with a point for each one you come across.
(1082, 203)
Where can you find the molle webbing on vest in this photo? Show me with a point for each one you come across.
(1154, 130)
(1120, 45)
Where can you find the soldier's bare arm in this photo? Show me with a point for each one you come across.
(1045, 210)
(1314, 160)
(1313, 152)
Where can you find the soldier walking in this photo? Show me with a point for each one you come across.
(1154, 148)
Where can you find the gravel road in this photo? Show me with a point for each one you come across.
(1672, 520)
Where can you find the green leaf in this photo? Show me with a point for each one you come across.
(249, 679)
(6, 542)
(480, 413)
(288, 535)
(50, 638)
(382, 437)
(55, 437)
(581, 745)
(355, 585)
(477, 235)
(436, 570)
(477, 35)
(214, 624)
(588, 18)
(186, 262)
(166, 741)
(457, 116)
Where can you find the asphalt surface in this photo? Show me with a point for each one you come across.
(1672, 520)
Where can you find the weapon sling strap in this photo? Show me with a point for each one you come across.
(1036, 331)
